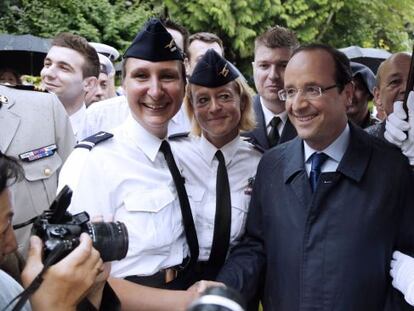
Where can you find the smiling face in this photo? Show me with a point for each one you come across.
(268, 70)
(392, 75)
(62, 74)
(318, 121)
(154, 91)
(217, 111)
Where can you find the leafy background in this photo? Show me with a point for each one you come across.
(381, 23)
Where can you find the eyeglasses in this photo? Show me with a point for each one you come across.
(309, 92)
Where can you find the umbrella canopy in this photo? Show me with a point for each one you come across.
(23, 53)
(370, 57)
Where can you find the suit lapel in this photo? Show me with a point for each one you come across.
(294, 173)
(288, 133)
(9, 121)
(260, 133)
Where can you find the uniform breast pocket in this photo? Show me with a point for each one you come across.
(152, 217)
(41, 181)
(240, 206)
(195, 197)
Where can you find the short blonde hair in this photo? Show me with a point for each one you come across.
(247, 120)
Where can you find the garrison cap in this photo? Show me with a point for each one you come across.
(212, 70)
(154, 43)
(366, 74)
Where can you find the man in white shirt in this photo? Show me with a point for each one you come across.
(71, 68)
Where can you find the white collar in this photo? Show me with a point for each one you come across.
(268, 115)
(335, 150)
(144, 140)
(208, 150)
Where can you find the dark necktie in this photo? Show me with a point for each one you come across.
(189, 227)
(222, 220)
(274, 133)
(317, 160)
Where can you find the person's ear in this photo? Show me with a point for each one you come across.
(90, 83)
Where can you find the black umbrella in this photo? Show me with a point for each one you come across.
(370, 57)
(23, 53)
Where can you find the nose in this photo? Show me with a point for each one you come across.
(274, 73)
(214, 105)
(47, 71)
(10, 243)
(155, 89)
(298, 101)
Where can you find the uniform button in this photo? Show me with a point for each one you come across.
(47, 171)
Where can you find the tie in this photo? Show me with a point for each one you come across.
(317, 161)
(222, 220)
(274, 133)
(188, 221)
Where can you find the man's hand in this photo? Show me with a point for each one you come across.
(67, 282)
(200, 286)
(402, 272)
(396, 124)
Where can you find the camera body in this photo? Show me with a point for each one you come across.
(60, 229)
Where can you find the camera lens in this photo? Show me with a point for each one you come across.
(218, 299)
(110, 239)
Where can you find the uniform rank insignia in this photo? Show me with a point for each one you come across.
(37, 154)
(249, 189)
(3, 100)
(171, 46)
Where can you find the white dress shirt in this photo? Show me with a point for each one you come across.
(127, 178)
(197, 157)
(335, 151)
(78, 122)
(269, 115)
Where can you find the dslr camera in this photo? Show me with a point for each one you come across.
(60, 229)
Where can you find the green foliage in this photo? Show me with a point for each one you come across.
(114, 22)
(382, 23)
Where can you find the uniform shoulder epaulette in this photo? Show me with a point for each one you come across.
(95, 139)
(254, 144)
(178, 136)
(25, 87)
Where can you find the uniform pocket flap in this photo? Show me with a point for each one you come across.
(240, 201)
(195, 193)
(42, 168)
(151, 201)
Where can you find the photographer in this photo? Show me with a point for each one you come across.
(64, 284)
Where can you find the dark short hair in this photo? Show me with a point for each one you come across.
(277, 37)
(343, 72)
(71, 41)
(207, 37)
(10, 171)
(169, 23)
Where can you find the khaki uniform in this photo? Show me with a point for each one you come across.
(35, 129)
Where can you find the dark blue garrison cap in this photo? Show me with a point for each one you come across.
(212, 70)
(154, 43)
(366, 75)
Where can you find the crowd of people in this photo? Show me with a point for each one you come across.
(297, 196)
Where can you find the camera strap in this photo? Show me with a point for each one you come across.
(24, 296)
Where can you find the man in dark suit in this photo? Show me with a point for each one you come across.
(272, 52)
(323, 223)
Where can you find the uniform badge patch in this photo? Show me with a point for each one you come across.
(37, 154)
(3, 100)
(249, 189)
